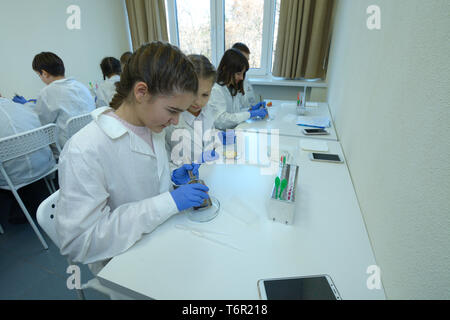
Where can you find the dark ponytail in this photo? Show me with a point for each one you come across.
(162, 66)
(110, 66)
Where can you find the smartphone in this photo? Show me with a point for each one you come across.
(315, 132)
(325, 157)
(320, 287)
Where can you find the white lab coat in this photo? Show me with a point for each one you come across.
(61, 100)
(113, 190)
(106, 91)
(227, 108)
(16, 118)
(197, 132)
(249, 98)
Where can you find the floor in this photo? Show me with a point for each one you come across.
(29, 272)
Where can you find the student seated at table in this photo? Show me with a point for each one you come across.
(226, 95)
(114, 176)
(111, 70)
(197, 121)
(62, 98)
(249, 98)
(14, 119)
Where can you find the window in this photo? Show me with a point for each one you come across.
(244, 23)
(194, 26)
(210, 27)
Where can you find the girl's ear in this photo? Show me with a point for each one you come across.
(140, 91)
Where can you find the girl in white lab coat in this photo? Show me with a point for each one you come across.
(249, 98)
(197, 123)
(226, 95)
(115, 182)
(62, 98)
(111, 70)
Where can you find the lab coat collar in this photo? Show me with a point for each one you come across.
(63, 80)
(114, 78)
(114, 129)
(189, 118)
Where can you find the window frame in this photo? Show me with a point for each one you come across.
(217, 8)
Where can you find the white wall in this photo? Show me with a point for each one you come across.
(271, 92)
(389, 94)
(30, 27)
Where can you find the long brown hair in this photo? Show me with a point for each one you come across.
(163, 67)
(203, 67)
(233, 61)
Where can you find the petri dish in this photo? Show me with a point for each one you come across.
(205, 215)
(231, 155)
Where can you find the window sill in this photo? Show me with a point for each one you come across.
(269, 80)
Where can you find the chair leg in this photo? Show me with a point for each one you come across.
(48, 186)
(80, 294)
(53, 185)
(1, 229)
(30, 220)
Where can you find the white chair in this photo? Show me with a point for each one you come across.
(45, 215)
(74, 124)
(22, 144)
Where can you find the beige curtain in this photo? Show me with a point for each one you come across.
(147, 20)
(303, 39)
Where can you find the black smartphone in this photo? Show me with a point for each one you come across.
(326, 157)
(315, 132)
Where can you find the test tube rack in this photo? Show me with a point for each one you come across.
(281, 207)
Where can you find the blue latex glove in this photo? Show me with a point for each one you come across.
(258, 106)
(32, 100)
(181, 176)
(19, 99)
(262, 113)
(189, 195)
(210, 155)
(227, 137)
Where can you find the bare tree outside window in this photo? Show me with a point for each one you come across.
(275, 33)
(244, 23)
(194, 26)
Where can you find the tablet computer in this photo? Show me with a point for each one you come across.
(320, 287)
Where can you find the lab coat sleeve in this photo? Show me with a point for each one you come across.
(88, 230)
(223, 119)
(45, 114)
(249, 98)
(101, 98)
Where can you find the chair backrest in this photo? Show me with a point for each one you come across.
(46, 217)
(27, 142)
(74, 124)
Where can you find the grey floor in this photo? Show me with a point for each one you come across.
(29, 272)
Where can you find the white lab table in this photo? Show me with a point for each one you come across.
(285, 120)
(328, 237)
